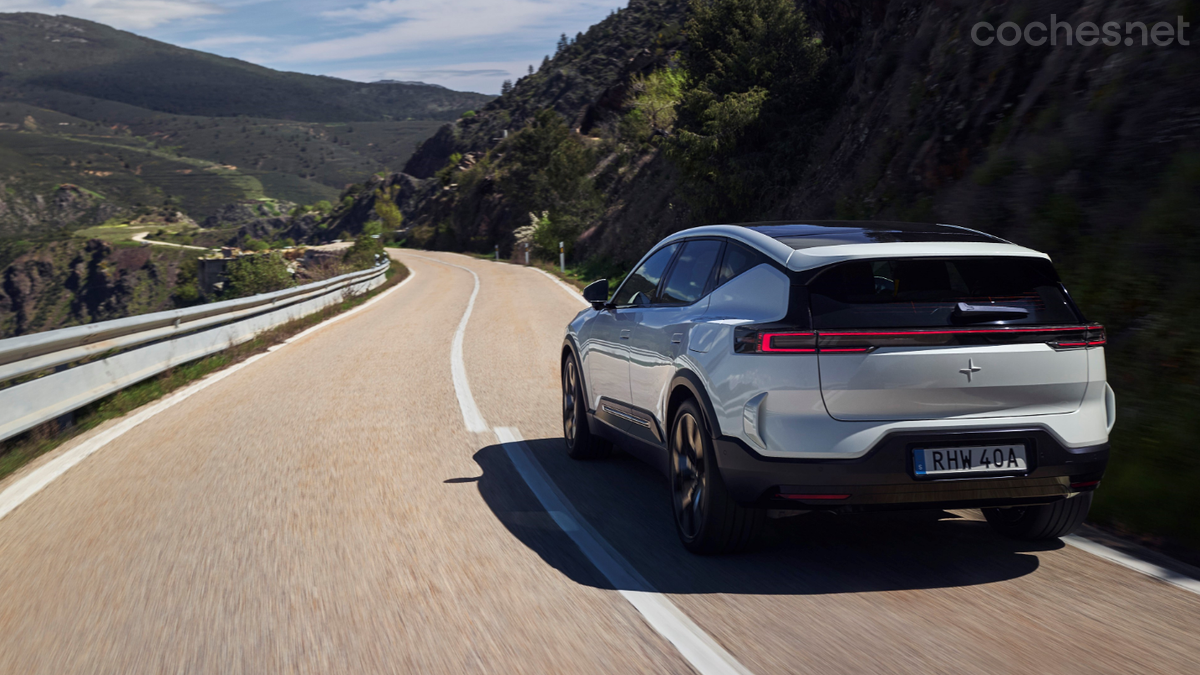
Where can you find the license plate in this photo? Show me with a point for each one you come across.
(972, 459)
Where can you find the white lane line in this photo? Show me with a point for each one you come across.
(1136, 564)
(698, 647)
(472, 418)
(573, 292)
(35, 480)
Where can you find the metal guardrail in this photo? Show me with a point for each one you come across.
(146, 345)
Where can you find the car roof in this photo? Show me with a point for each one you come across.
(806, 244)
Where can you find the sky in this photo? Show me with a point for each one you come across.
(468, 45)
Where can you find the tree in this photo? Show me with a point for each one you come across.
(757, 77)
(506, 88)
(253, 274)
(388, 212)
(563, 43)
(531, 69)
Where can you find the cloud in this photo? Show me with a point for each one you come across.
(132, 14)
(219, 41)
(481, 76)
(410, 24)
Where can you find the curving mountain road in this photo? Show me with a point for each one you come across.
(325, 509)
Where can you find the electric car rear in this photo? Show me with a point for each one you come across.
(848, 366)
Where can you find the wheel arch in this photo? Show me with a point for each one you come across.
(569, 348)
(686, 384)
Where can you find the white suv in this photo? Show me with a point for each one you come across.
(848, 366)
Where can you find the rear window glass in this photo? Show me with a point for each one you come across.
(927, 293)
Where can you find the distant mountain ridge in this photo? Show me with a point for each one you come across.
(62, 63)
(140, 123)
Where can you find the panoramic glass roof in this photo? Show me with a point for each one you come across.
(835, 232)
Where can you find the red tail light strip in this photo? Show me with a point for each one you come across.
(858, 342)
(813, 498)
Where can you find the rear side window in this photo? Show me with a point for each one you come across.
(927, 293)
(689, 277)
(645, 278)
(737, 259)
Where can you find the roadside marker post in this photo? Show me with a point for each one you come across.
(497, 252)
(526, 255)
(562, 258)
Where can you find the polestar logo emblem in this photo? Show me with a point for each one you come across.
(971, 369)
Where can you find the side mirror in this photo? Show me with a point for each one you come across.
(597, 293)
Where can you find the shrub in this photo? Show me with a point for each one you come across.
(362, 254)
(388, 212)
(253, 274)
(252, 244)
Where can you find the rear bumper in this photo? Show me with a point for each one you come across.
(884, 478)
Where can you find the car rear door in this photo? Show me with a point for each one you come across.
(660, 330)
(917, 339)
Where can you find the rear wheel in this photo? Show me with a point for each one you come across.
(581, 442)
(1036, 523)
(707, 519)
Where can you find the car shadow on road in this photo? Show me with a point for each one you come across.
(626, 502)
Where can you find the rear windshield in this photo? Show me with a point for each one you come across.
(927, 293)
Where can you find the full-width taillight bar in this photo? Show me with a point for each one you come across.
(749, 339)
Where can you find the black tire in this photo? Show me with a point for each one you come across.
(1039, 523)
(581, 442)
(707, 519)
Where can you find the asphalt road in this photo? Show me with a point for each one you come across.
(325, 510)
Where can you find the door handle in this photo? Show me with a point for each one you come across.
(677, 338)
(625, 333)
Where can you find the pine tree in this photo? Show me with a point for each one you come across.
(531, 69)
(563, 43)
(506, 88)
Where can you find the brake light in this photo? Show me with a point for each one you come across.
(773, 340)
(1092, 336)
(790, 343)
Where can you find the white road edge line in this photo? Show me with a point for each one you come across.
(472, 418)
(32, 483)
(573, 292)
(1136, 564)
(696, 646)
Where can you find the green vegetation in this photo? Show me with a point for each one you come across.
(655, 99)
(389, 213)
(547, 172)
(253, 274)
(363, 254)
(756, 91)
(1148, 297)
(18, 451)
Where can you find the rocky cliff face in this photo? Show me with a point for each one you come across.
(74, 282)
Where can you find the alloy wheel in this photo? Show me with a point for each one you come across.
(570, 392)
(689, 478)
